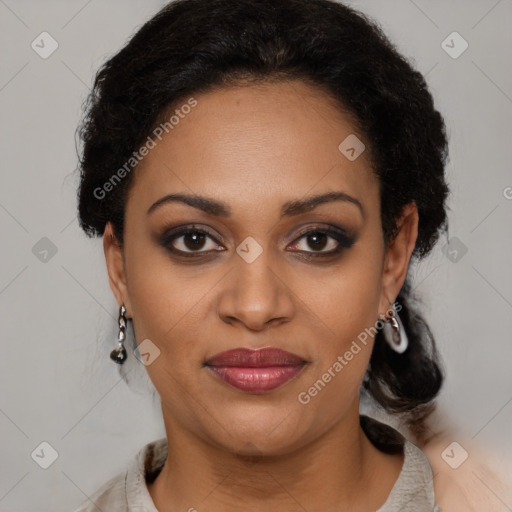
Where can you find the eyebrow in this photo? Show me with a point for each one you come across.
(289, 209)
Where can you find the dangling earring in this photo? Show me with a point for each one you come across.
(394, 332)
(119, 355)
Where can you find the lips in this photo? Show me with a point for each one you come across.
(255, 371)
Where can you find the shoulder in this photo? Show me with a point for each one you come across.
(127, 490)
(112, 492)
(414, 489)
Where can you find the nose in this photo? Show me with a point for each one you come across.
(256, 294)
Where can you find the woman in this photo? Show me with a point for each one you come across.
(263, 172)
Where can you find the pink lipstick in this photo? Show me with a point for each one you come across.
(255, 371)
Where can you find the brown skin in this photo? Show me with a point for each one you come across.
(255, 148)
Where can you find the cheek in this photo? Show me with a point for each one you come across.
(165, 304)
(345, 301)
(347, 304)
(172, 307)
(333, 385)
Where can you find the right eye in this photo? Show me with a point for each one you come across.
(190, 240)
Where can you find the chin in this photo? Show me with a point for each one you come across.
(255, 431)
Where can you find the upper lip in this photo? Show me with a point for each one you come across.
(255, 358)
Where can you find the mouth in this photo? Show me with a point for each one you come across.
(256, 371)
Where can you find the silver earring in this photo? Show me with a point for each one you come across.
(119, 355)
(394, 332)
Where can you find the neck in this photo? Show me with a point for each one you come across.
(337, 471)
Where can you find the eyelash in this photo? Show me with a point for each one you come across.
(345, 241)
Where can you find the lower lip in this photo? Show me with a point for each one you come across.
(256, 380)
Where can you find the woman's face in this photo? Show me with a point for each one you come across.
(256, 278)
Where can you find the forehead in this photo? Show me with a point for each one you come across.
(247, 143)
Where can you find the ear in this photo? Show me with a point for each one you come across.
(398, 255)
(115, 268)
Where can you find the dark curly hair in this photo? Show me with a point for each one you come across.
(194, 46)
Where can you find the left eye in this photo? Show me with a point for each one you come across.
(323, 242)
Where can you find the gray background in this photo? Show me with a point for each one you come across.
(57, 312)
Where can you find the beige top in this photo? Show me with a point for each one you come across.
(413, 490)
